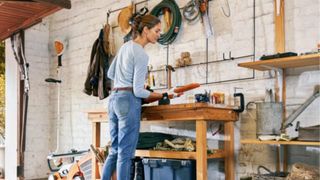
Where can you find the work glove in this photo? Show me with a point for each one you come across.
(165, 99)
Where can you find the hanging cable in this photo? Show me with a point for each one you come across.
(229, 11)
(191, 11)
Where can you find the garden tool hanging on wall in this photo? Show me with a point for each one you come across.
(59, 47)
(17, 43)
(204, 10)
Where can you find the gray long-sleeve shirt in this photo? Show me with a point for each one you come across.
(129, 68)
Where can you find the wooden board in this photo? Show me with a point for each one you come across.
(288, 62)
(279, 26)
(177, 112)
(166, 154)
(190, 111)
(201, 139)
(304, 143)
(229, 150)
(218, 153)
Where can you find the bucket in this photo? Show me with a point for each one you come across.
(269, 118)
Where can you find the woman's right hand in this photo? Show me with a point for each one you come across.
(173, 95)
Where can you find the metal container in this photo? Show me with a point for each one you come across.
(309, 133)
(269, 118)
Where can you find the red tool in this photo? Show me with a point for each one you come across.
(186, 87)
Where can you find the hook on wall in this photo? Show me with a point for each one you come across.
(230, 56)
(108, 15)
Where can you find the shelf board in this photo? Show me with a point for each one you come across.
(176, 154)
(219, 153)
(303, 143)
(288, 62)
(166, 154)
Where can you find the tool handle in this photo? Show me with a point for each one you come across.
(297, 126)
(59, 60)
(186, 87)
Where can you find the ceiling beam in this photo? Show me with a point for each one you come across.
(61, 3)
(27, 23)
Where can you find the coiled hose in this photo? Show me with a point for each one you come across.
(171, 34)
(191, 11)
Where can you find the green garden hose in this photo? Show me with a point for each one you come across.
(171, 34)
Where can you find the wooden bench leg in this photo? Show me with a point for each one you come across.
(229, 150)
(201, 147)
(96, 143)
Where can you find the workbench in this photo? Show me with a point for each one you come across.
(201, 113)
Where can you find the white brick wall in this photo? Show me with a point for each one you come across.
(80, 26)
(40, 135)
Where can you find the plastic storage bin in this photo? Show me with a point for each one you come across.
(169, 169)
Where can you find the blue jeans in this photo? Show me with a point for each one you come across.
(124, 112)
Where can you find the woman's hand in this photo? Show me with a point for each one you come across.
(172, 94)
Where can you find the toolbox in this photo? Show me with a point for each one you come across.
(169, 169)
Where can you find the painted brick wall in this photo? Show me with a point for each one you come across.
(80, 26)
(39, 131)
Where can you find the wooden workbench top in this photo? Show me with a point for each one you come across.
(177, 112)
(190, 111)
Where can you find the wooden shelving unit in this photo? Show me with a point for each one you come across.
(302, 143)
(283, 63)
(280, 65)
(201, 113)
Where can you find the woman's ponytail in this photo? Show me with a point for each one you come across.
(138, 22)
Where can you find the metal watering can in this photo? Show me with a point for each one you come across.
(269, 117)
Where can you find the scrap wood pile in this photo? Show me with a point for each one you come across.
(301, 171)
(179, 144)
(100, 153)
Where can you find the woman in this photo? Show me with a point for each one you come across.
(128, 71)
